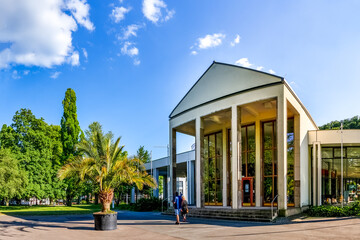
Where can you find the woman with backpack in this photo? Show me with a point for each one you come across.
(184, 208)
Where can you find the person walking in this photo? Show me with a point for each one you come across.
(184, 208)
(177, 207)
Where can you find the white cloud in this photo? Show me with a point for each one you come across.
(136, 62)
(55, 75)
(130, 31)
(129, 49)
(80, 10)
(259, 68)
(85, 53)
(118, 13)
(235, 41)
(26, 72)
(243, 62)
(272, 71)
(210, 40)
(15, 75)
(40, 34)
(194, 52)
(74, 59)
(154, 10)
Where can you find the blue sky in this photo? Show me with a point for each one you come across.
(130, 62)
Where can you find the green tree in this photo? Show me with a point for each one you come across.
(143, 155)
(37, 147)
(349, 123)
(70, 128)
(70, 136)
(102, 163)
(12, 179)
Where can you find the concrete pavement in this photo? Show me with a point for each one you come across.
(135, 225)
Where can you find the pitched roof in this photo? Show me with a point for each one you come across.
(221, 80)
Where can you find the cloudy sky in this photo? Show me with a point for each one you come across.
(130, 62)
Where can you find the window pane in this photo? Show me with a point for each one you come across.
(268, 188)
(268, 162)
(268, 131)
(243, 139)
(326, 152)
(353, 152)
(251, 165)
(251, 138)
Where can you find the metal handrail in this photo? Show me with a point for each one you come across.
(272, 207)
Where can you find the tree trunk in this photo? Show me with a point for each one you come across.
(105, 198)
(6, 202)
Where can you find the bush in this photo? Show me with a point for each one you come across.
(335, 211)
(144, 205)
(148, 204)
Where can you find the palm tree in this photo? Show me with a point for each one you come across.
(105, 164)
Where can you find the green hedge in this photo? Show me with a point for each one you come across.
(144, 205)
(335, 211)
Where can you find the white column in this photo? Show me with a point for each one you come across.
(172, 163)
(132, 195)
(258, 177)
(156, 177)
(314, 179)
(224, 153)
(199, 143)
(297, 169)
(235, 165)
(190, 182)
(319, 173)
(282, 152)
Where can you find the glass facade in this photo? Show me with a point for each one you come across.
(213, 168)
(331, 174)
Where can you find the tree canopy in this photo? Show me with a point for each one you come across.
(349, 123)
(12, 179)
(37, 147)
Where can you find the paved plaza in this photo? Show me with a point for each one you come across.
(135, 225)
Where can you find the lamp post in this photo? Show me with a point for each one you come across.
(342, 168)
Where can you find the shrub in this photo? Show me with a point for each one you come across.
(335, 211)
(144, 205)
(148, 204)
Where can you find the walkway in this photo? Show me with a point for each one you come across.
(134, 225)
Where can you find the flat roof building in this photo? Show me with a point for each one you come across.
(256, 145)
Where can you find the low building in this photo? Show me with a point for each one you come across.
(256, 145)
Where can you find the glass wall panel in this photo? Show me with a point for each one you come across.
(331, 175)
(213, 168)
(290, 162)
(248, 156)
(269, 164)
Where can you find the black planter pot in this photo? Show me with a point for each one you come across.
(105, 221)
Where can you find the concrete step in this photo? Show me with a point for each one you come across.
(253, 214)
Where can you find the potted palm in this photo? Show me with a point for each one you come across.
(105, 164)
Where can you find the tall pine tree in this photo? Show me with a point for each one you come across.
(70, 136)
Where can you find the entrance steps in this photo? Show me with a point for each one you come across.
(258, 214)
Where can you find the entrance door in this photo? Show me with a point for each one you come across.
(248, 191)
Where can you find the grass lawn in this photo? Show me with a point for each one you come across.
(49, 210)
